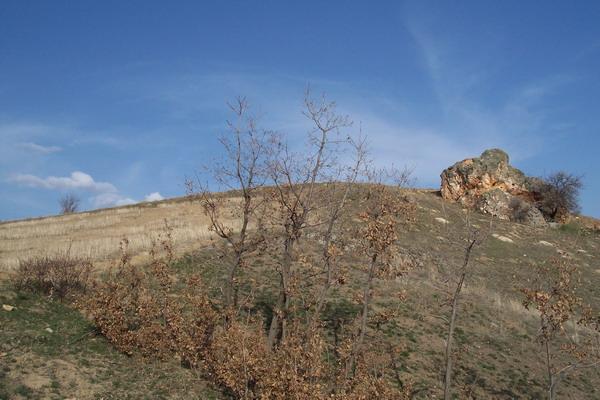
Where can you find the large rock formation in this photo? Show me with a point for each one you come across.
(490, 184)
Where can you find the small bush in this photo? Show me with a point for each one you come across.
(132, 307)
(519, 209)
(58, 276)
(571, 227)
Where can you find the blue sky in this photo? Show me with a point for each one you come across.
(120, 101)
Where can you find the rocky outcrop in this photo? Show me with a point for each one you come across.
(491, 185)
(467, 180)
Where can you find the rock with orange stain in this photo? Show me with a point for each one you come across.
(490, 184)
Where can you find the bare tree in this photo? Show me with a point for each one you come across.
(334, 210)
(242, 170)
(69, 204)
(384, 210)
(296, 180)
(553, 294)
(280, 206)
(473, 238)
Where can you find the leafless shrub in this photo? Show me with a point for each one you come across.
(553, 294)
(557, 195)
(69, 204)
(58, 276)
(472, 238)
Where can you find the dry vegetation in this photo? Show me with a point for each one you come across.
(58, 276)
(96, 235)
(315, 279)
(497, 355)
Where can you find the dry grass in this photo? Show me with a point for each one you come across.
(96, 235)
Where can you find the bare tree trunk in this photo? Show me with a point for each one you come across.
(328, 272)
(231, 288)
(551, 380)
(364, 318)
(276, 318)
(280, 311)
(450, 337)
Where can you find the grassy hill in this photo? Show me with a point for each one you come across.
(48, 350)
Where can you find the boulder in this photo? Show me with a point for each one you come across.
(491, 185)
(495, 202)
(534, 217)
(467, 180)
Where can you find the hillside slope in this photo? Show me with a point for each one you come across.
(497, 354)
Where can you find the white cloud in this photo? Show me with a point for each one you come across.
(77, 180)
(111, 200)
(154, 196)
(107, 194)
(38, 148)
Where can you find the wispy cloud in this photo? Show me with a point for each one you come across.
(26, 135)
(38, 148)
(20, 142)
(98, 139)
(467, 121)
(395, 137)
(424, 150)
(116, 199)
(513, 117)
(21, 129)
